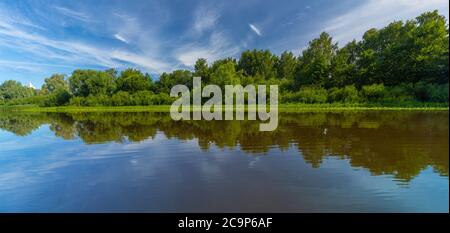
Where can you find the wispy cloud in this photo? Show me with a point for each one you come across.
(378, 13)
(70, 51)
(219, 46)
(121, 38)
(205, 19)
(140, 60)
(255, 29)
(73, 14)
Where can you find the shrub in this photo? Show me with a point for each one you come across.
(37, 100)
(400, 93)
(59, 97)
(421, 91)
(121, 98)
(348, 94)
(143, 98)
(77, 101)
(91, 101)
(162, 98)
(373, 92)
(430, 92)
(439, 93)
(306, 95)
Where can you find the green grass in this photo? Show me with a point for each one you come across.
(281, 108)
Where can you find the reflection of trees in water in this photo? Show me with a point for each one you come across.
(21, 124)
(398, 143)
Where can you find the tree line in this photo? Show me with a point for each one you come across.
(404, 62)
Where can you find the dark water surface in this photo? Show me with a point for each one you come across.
(374, 161)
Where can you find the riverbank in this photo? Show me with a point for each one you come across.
(281, 108)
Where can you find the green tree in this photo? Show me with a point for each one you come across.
(55, 82)
(261, 63)
(431, 48)
(315, 62)
(168, 80)
(286, 65)
(91, 82)
(225, 74)
(58, 97)
(343, 66)
(202, 70)
(132, 81)
(11, 89)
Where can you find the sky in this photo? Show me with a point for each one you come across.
(42, 37)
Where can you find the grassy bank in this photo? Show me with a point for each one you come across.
(281, 108)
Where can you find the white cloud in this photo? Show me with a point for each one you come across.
(73, 14)
(255, 29)
(140, 60)
(219, 46)
(205, 19)
(29, 66)
(121, 38)
(70, 52)
(378, 13)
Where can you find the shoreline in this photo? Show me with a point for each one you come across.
(166, 108)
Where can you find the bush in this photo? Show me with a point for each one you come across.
(306, 95)
(421, 91)
(439, 93)
(373, 92)
(400, 93)
(162, 98)
(77, 101)
(121, 98)
(143, 98)
(91, 101)
(59, 97)
(36, 100)
(348, 94)
(427, 92)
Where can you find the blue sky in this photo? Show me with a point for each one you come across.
(39, 38)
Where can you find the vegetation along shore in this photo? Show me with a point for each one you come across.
(401, 66)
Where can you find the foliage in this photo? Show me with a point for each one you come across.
(315, 62)
(55, 82)
(405, 62)
(58, 97)
(373, 92)
(306, 95)
(348, 94)
(225, 74)
(258, 63)
(11, 89)
(132, 80)
(91, 82)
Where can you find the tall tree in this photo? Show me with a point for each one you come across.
(55, 82)
(168, 80)
(202, 70)
(431, 47)
(225, 74)
(91, 82)
(286, 66)
(315, 62)
(261, 63)
(343, 66)
(133, 80)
